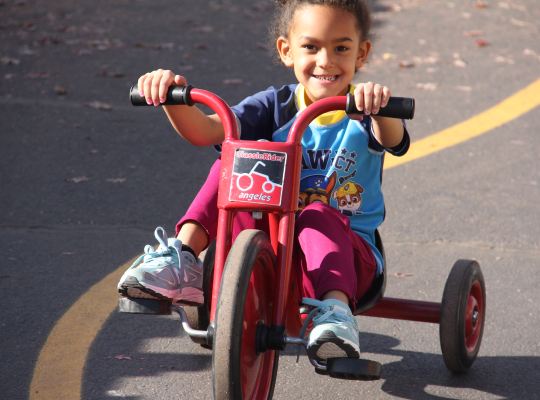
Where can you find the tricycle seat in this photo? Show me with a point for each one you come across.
(376, 292)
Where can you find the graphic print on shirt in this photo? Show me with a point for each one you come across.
(320, 188)
(258, 176)
(349, 199)
(316, 189)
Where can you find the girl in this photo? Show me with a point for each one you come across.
(325, 42)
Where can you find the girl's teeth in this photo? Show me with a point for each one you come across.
(326, 78)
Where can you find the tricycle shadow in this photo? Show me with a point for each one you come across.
(423, 376)
(131, 358)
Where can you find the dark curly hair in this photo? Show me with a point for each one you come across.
(285, 10)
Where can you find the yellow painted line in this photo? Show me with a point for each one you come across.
(511, 108)
(59, 369)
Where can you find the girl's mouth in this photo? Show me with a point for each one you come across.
(326, 78)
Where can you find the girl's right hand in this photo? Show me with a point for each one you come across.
(154, 85)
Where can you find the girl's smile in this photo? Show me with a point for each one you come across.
(324, 48)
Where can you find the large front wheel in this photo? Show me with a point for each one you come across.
(245, 301)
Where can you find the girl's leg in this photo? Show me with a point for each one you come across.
(336, 266)
(333, 260)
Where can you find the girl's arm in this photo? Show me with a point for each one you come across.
(370, 98)
(190, 122)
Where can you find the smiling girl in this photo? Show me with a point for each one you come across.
(325, 42)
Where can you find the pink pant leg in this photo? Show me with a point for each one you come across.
(331, 255)
(204, 209)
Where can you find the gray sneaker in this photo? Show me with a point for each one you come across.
(335, 331)
(166, 274)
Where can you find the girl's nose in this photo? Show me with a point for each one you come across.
(325, 59)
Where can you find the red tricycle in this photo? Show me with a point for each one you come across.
(252, 307)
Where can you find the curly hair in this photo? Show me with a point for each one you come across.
(285, 10)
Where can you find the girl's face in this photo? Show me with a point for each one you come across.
(324, 48)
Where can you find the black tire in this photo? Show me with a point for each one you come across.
(199, 317)
(249, 270)
(460, 329)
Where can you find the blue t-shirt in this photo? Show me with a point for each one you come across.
(342, 160)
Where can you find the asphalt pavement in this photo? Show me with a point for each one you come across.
(85, 178)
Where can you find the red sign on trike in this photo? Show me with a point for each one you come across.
(258, 176)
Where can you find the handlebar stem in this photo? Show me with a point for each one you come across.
(224, 112)
(310, 113)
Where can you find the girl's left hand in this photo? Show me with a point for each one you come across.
(370, 97)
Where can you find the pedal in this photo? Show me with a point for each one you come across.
(144, 306)
(355, 369)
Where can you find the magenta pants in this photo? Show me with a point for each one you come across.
(329, 254)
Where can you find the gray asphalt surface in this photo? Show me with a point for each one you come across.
(82, 188)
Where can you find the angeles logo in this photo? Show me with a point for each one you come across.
(256, 181)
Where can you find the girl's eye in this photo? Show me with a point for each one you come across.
(309, 47)
(342, 48)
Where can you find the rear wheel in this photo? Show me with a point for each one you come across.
(245, 301)
(463, 311)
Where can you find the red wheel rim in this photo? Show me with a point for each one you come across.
(474, 317)
(257, 369)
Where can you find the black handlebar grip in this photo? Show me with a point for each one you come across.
(397, 107)
(176, 95)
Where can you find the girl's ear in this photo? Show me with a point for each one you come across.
(363, 52)
(284, 49)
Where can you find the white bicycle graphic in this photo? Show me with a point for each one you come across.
(265, 185)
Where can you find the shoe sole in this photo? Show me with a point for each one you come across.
(328, 345)
(189, 296)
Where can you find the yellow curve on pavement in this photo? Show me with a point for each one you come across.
(59, 368)
(511, 108)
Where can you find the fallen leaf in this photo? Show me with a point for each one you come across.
(233, 81)
(98, 105)
(25, 51)
(481, 42)
(77, 179)
(459, 63)
(517, 22)
(529, 52)
(186, 67)
(406, 64)
(426, 86)
(388, 56)
(481, 4)
(116, 180)
(94, 151)
(505, 60)
(394, 8)
(60, 90)
(201, 46)
(508, 5)
(10, 61)
(204, 29)
(464, 88)
(402, 275)
(35, 75)
(9, 76)
(474, 33)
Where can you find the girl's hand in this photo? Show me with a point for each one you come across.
(154, 85)
(370, 97)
